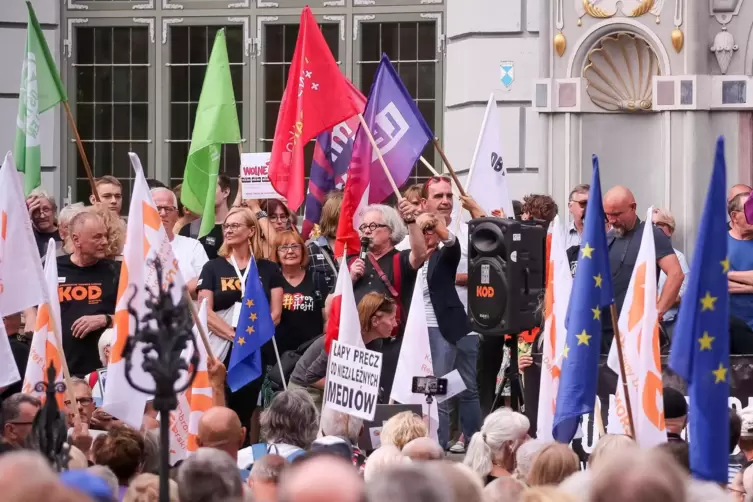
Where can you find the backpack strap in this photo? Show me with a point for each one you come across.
(259, 450)
(295, 455)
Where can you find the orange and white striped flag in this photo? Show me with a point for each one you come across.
(559, 282)
(199, 395)
(44, 344)
(639, 332)
(145, 240)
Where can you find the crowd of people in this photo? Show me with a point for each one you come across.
(264, 443)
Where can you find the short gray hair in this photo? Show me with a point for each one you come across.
(166, 190)
(392, 219)
(209, 475)
(43, 194)
(525, 455)
(69, 211)
(151, 451)
(11, 407)
(581, 189)
(291, 419)
(268, 468)
(409, 483)
(337, 423)
(505, 489)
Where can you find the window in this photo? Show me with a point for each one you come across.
(411, 46)
(190, 48)
(112, 102)
(278, 49)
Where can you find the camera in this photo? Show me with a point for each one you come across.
(429, 385)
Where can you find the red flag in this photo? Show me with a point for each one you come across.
(317, 97)
(355, 200)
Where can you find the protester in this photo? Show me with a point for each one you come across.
(748, 484)
(209, 475)
(220, 428)
(377, 314)
(87, 290)
(145, 488)
(491, 451)
(645, 475)
(321, 479)
(578, 485)
(64, 220)
(382, 459)
(151, 451)
(610, 446)
(16, 418)
(554, 463)
(462, 481)
(20, 346)
(110, 194)
(675, 413)
(408, 483)
(680, 451)
(212, 242)
(577, 202)
(321, 249)
(663, 219)
(115, 231)
(504, 489)
(541, 208)
(288, 426)
(348, 427)
(189, 252)
(264, 481)
(524, 457)
(122, 450)
(278, 213)
(423, 448)
(403, 428)
(221, 284)
(108, 476)
(735, 190)
(104, 346)
(740, 257)
(620, 211)
(43, 211)
(736, 489)
(545, 494)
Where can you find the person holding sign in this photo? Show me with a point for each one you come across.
(378, 316)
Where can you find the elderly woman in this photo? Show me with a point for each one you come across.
(403, 428)
(377, 314)
(554, 463)
(491, 452)
(43, 211)
(321, 248)
(122, 450)
(663, 219)
(221, 284)
(115, 231)
(65, 217)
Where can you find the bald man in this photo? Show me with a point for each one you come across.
(221, 429)
(322, 479)
(737, 190)
(624, 241)
(423, 448)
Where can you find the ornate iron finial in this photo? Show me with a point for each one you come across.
(163, 333)
(49, 433)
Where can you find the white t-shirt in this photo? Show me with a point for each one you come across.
(191, 256)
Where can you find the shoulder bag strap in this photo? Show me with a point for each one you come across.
(384, 277)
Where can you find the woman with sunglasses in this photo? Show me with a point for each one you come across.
(221, 284)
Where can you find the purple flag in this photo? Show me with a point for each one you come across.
(400, 132)
(749, 210)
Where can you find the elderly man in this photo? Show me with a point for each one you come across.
(110, 193)
(504, 489)
(576, 204)
(663, 219)
(220, 428)
(740, 255)
(264, 481)
(64, 221)
(16, 416)
(43, 211)
(423, 449)
(410, 483)
(322, 479)
(289, 426)
(87, 290)
(189, 252)
(209, 475)
(624, 242)
(348, 427)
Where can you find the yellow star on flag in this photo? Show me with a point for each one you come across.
(708, 302)
(725, 265)
(565, 351)
(705, 341)
(598, 279)
(250, 330)
(720, 374)
(241, 340)
(252, 316)
(597, 313)
(249, 303)
(583, 338)
(586, 251)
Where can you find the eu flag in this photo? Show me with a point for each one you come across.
(700, 347)
(255, 328)
(592, 291)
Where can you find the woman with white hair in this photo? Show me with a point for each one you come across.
(96, 383)
(663, 219)
(491, 452)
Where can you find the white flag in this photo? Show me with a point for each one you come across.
(487, 179)
(8, 369)
(415, 359)
(344, 324)
(145, 240)
(559, 282)
(44, 346)
(639, 332)
(21, 276)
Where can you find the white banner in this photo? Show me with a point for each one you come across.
(255, 182)
(353, 380)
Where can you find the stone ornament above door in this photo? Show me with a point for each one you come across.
(610, 8)
(619, 71)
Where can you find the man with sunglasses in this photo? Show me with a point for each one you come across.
(16, 417)
(624, 241)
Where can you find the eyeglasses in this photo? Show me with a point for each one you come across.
(166, 209)
(372, 227)
(581, 203)
(285, 248)
(83, 401)
(277, 217)
(233, 226)
(21, 423)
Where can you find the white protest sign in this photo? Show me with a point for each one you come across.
(353, 380)
(255, 182)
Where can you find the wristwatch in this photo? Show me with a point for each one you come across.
(108, 321)
(261, 214)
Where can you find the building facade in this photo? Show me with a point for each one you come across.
(645, 84)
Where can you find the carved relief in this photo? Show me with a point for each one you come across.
(610, 8)
(724, 46)
(619, 72)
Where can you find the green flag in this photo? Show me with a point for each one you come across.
(41, 89)
(216, 124)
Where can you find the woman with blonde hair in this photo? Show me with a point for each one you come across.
(403, 428)
(609, 446)
(553, 464)
(321, 245)
(222, 283)
(145, 488)
(116, 231)
(491, 452)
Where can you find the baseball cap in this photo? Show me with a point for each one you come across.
(746, 416)
(85, 482)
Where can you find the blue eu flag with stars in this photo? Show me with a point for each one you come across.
(700, 346)
(592, 291)
(255, 328)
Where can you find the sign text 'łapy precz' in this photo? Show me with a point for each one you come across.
(353, 380)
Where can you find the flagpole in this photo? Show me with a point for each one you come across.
(449, 167)
(429, 166)
(279, 363)
(366, 129)
(81, 151)
(618, 340)
(239, 196)
(199, 325)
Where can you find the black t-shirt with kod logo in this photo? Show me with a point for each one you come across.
(219, 277)
(84, 291)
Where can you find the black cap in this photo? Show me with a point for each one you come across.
(675, 405)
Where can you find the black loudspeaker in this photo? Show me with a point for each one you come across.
(506, 275)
